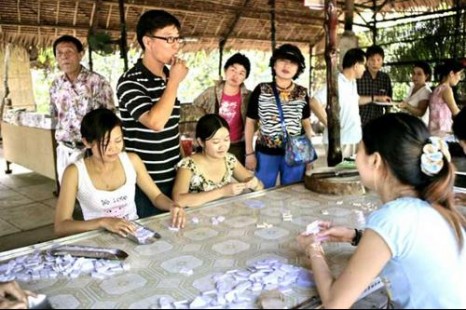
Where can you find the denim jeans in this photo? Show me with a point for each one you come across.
(268, 167)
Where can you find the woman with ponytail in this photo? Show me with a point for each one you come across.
(442, 104)
(415, 240)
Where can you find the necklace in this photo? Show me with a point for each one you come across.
(285, 92)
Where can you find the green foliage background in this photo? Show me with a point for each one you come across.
(432, 40)
(203, 72)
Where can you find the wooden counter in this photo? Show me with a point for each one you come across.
(30, 147)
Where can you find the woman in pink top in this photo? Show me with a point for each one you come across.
(442, 104)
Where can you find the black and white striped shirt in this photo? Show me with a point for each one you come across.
(138, 90)
(262, 107)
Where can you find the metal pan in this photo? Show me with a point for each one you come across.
(150, 236)
(89, 252)
(40, 301)
(335, 174)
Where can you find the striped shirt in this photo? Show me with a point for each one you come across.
(262, 107)
(138, 90)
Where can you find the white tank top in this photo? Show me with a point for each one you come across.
(97, 203)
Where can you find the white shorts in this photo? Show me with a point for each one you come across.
(65, 156)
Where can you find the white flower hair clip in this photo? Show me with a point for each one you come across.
(432, 156)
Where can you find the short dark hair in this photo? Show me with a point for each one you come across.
(425, 67)
(70, 39)
(375, 50)
(290, 52)
(459, 125)
(208, 125)
(96, 126)
(240, 59)
(352, 57)
(153, 20)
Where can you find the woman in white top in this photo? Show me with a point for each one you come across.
(417, 100)
(104, 182)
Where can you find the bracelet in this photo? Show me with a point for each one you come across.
(372, 98)
(252, 153)
(357, 237)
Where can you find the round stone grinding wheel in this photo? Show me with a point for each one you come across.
(329, 180)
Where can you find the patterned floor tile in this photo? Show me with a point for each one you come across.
(28, 216)
(7, 229)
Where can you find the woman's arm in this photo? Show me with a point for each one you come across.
(448, 97)
(249, 130)
(65, 224)
(243, 175)
(158, 199)
(366, 263)
(418, 111)
(318, 110)
(184, 198)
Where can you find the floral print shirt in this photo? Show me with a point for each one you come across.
(69, 102)
(199, 182)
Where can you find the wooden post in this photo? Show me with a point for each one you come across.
(272, 24)
(123, 46)
(334, 156)
(221, 46)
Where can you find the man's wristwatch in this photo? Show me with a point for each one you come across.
(357, 237)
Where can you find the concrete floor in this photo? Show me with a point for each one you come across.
(27, 206)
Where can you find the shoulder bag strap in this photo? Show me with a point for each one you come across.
(280, 111)
(217, 104)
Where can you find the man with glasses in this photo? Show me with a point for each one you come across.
(149, 108)
(72, 95)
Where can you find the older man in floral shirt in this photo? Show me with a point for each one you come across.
(72, 95)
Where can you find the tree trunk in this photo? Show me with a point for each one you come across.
(334, 156)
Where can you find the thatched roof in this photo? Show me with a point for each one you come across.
(246, 23)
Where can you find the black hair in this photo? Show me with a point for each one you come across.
(425, 67)
(375, 50)
(399, 138)
(208, 125)
(70, 39)
(97, 125)
(240, 59)
(352, 57)
(290, 52)
(444, 69)
(459, 125)
(153, 20)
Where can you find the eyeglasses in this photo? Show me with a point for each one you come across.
(170, 40)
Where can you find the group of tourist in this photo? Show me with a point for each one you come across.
(132, 166)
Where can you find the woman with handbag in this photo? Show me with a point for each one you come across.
(281, 109)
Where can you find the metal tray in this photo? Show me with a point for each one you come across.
(148, 240)
(89, 252)
(40, 301)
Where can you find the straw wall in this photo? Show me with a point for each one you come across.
(19, 77)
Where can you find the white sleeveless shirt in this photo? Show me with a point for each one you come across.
(96, 203)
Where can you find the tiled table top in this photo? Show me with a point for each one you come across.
(204, 248)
